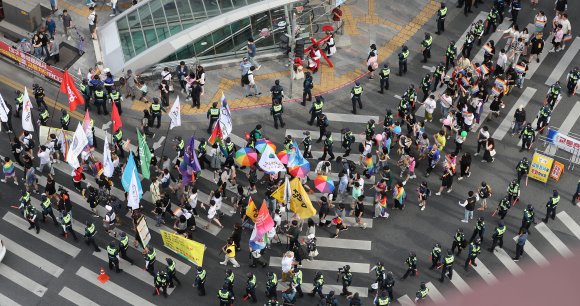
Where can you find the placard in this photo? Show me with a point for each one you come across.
(541, 166)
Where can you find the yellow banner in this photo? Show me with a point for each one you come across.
(252, 210)
(541, 166)
(299, 200)
(278, 194)
(189, 249)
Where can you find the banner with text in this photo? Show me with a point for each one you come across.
(191, 250)
(540, 169)
(564, 142)
(30, 62)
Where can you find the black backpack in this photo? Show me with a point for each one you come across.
(361, 147)
(245, 79)
(57, 146)
(330, 301)
(354, 302)
(277, 90)
(31, 144)
(389, 283)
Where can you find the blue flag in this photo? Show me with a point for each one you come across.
(126, 177)
(189, 157)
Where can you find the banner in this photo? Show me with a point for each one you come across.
(225, 118)
(299, 200)
(189, 156)
(68, 87)
(251, 210)
(3, 110)
(87, 127)
(78, 142)
(133, 199)
(64, 142)
(563, 141)
(44, 135)
(117, 123)
(143, 231)
(189, 249)
(126, 177)
(108, 167)
(257, 242)
(175, 114)
(144, 155)
(269, 162)
(187, 173)
(557, 170)
(27, 124)
(264, 222)
(540, 168)
(32, 63)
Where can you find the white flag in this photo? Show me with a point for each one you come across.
(133, 200)
(225, 118)
(287, 192)
(108, 168)
(77, 145)
(27, 123)
(3, 110)
(175, 114)
(269, 162)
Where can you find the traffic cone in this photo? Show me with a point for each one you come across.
(103, 277)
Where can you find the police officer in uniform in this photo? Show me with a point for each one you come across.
(297, 282)
(550, 207)
(39, 95)
(441, 14)
(316, 108)
(370, 129)
(115, 97)
(435, 256)
(160, 282)
(251, 288)
(346, 279)
(529, 218)
(384, 77)
(117, 139)
(379, 273)
(528, 136)
(171, 273)
(30, 215)
(403, 108)
(478, 230)
(202, 149)
(24, 199)
(277, 91)
(113, 257)
(426, 44)
(523, 168)
(447, 266)
(403, 60)
(19, 101)
(92, 126)
(212, 114)
(47, 209)
(504, 205)
(478, 31)
(66, 222)
(155, 109)
(230, 280)
(307, 142)
(355, 96)
(450, 55)
(421, 295)
(318, 284)
(288, 142)
(271, 285)
(468, 44)
(388, 120)
(572, 78)
(179, 148)
(150, 260)
(322, 123)
(226, 297)
(438, 76)
(497, 236)
(388, 284)
(491, 20)
(458, 241)
(230, 147)
(426, 86)
(65, 119)
(100, 98)
(200, 281)
(474, 250)
(348, 139)
(123, 246)
(276, 111)
(514, 191)
(307, 88)
(90, 232)
(412, 263)
(553, 94)
(328, 146)
(86, 93)
(43, 116)
(544, 115)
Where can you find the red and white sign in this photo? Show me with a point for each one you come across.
(30, 62)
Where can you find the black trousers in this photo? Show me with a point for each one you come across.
(440, 25)
(158, 289)
(173, 276)
(448, 269)
(542, 122)
(49, 213)
(102, 105)
(114, 262)
(497, 241)
(526, 225)
(489, 25)
(426, 54)
(502, 213)
(92, 241)
(354, 101)
(329, 152)
(147, 132)
(409, 271)
(152, 122)
(151, 269)
(34, 224)
(322, 132)
(466, 51)
(17, 159)
(306, 93)
(124, 256)
(520, 174)
(519, 251)
(549, 213)
(552, 100)
(313, 116)
(195, 100)
(467, 7)
(458, 245)
(119, 108)
(500, 15)
(475, 233)
(402, 67)
(201, 288)
(40, 102)
(299, 290)
(449, 60)
(345, 289)
(470, 259)
(384, 83)
(526, 143)
(251, 293)
(211, 122)
(512, 198)
(515, 16)
(276, 119)
(307, 151)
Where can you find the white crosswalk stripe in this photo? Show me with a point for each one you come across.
(554, 240)
(505, 126)
(566, 126)
(31, 257)
(435, 294)
(76, 298)
(350, 221)
(343, 243)
(460, 284)
(307, 287)
(405, 300)
(337, 117)
(484, 272)
(325, 265)
(570, 223)
(534, 253)
(22, 280)
(5, 301)
(508, 262)
(564, 62)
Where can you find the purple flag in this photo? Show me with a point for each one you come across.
(190, 157)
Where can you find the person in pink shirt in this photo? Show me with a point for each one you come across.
(411, 167)
(557, 40)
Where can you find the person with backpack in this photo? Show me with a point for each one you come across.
(307, 88)
(249, 80)
(277, 92)
(276, 111)
(322, 123)
(354, 300)
(330, 299)
(424, 193)
(93, 20)
(484, 192)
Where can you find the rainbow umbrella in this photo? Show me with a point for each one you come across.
(300, 170)
(261, 145)
(324, 184)
(246, 156)
(283, 156)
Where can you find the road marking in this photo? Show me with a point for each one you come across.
(52, 240)
(76, 298)
(326, 265)
(337, 117)
(435, 294)
(111, 287)
(554, 240)
(564, 62)
(506, 124)
(534, 253)
(5, 301)
(350, 220)
(159, 143)
(570, 223)
(485, 273)
(509, 262)
(31, 257)
(566, 126)
(430, 68)
(533, 66)
(406, 301)
(22, 280)
(460, 284)
(307, 287)
(343, 243)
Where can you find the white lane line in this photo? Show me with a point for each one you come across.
(534, 253)
(484, 273)
(460, 284)
(31, 257)
(326, 265)
(337, 117)
(5, 301)
(570, 223)
(22, 280)
(343, 243)
(566, 126)
(52, 240)
(307, 287)
(114, 289)
(405, 300)
(554, 240)
(564, 62)
(505, 125)
(76, 298)
(508, 262)
(435, 294)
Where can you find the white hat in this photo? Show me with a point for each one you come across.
(310, 236)
(106, 70)
(108, 207)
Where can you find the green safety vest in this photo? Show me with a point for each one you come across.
(231, 147)
(436, 252)
(528, 213)
(380, 271)
(272, 281)
(214, 112)
(20, 99)
(438, 71)
(252, 283)
(160, 281)
(124, 243)
(573, 77)
(384, 301)
(150, 257)
(385, 73)
(370, 127)
(91, 231)
(230, 278)
(115, 97)
(404, 55)
(171, 268)
(287, 145)
(224, 295)
(30, 212)
(476, 248)
(202, 276)
(504, 205)
(425, 83)
(100, 94)
(328, 142)
(180, 145)
(46, 204)
(44, 115)
(112, 252)
(427, 42)
(554, 91)
(318, 282)
(459, 237)
(492, 15)
(555, 201)
(527, 133)
(443, 13)
(297, 279)
(523, 166)
(479, 225)
(277, 109)
(307, 141)
(83, 88)
(156, 107)
(544, 112)
(347, 136)
(514, 188)
(118, 135)
(423, 292)
(449, 259)
(451, 51)
(318, 106)
(66, 219)
(347, 276)
(478, 29)
(202, 146)
(25, 198)
(501, 231)
(65, 119)
(357, 90)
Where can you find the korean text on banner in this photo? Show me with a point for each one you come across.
(143, 230)
(540, 169)
(191, 250)
(564, 142)
(175, 114)
(78, 143)
(557, 170)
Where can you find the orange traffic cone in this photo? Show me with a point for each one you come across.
(103, 277)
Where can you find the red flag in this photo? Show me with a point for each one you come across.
(116, 118)
(68, 87)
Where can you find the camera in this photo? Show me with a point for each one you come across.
(62, 190)
(340, 269)
(343, 131)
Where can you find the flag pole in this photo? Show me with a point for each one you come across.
(166, 134)
(52, 116)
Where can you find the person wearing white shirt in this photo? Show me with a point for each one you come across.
(501, 61)
(287, 264)
(566, 28)
(211, 215)
(514, 33)
(193, 200)
(44, 156)
(92, 25)
(446, 103)
(252, 83)
(430, 106)
(323, 168)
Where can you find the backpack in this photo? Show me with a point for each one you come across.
(388, 283)
(31, 144)
(355, 303)
(485, 192)
(245, 79)
(277, 90)
(122, 80)
(330, 301)
(351, 166)
(97, 19)
(310, 85)
(361, 147)
(57, 146)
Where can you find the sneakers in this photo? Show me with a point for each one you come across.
(558, 50)
(404, 183)
(552, 50)
(438, 193)
(515, 259)
(449, 190)
(3, 181)
(364, 226)
(413, 176)
(334, 236)
(112, 15)
(232, 211)
(223, 263)
(423, 208)
(96, 216)
(475, 154)
(468, 174)
(464, 221)
(420, 204)
(15, 183)
(236, 266)
(460, 178)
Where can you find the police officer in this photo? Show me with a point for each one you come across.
(491, 20)
(90, 232)
(544, 115)
(497, 236)
(66, 222)
(123, 246)
(115, 97)
(426, 86)
(24, 199)
(229, 280)
(251, 288)
(150, 260)
(572, 78)
(276, 111)
(155, 109)
(529, 218)
(370, 129)
(576, 195)
(438, 76)
(514, 191)
(273, 300)
(322, 123)
(441, 14)
(297, 282)
(403, 60)
(478, 230)
(528, 136)
(39, 95)
(316, 108)
(271, 285)
(355, 96)
(523, 168)
(388, 120)
(553, 94)
(348, 139)
(318, 284)
(200, 281)
(288, 142)
(65, 119)
(379, 274)
(447, 266)
(474, 250)
(100, 98)
(346, 279)
(384, 77)
(435, 256)
(383, 299)
(403, 108)
(202, 149)
(86, 93)
(426, 44)
(421, 295)
(171, 273)
(307, 142)
(327, 147)
(277, 91)
(117, 139)
(113, 257)
(478, 31)
(44, 115)
(468, 44)
(30, 214)
(550, 206)
(226, 297)
(160, 282)
(179, 148)
(412, 263)
(307, 88)
(213, 115)
(92, 127)
(450, 55)
(47, 209)
(458, 241)
(230, 147)
(388, 284)
(19, 101)
(504, 205)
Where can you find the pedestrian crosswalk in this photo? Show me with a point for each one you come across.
(566, 126)
(554, 240)
(563, 64)
(484, 272)
(5, 301)
(23, 280)
(508, 262)
(75, 297)
(435, 294)
(325, 265)
(31, 257)
(536, 256)
(506, 125)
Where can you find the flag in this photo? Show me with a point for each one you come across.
(134, 189)
(175, 114)
(567, 37)
(484, 69)
(299, 200)
(495, 92)
(475, 90)
(87, 128)
(296, 158)
(27, 124)
(217, 135)
(540, 24)
(127, 173)
(269, 162)
(370, 165)
(3, 110)
(251, 210)
(511, 55)
(8, 168)
(287, 193)
(500, 82)
(68, 87)
(465, 81)
(225, 118)
(399, 194)
(117, 123)
(144, 155)
(107, 161)
(190, 157)
(257, 242)
(63, 142)
(78, 143)
(187, 173)
(520, 69)
(264, 222)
